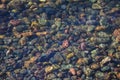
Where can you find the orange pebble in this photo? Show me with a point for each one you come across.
(116, 32)
(118, 75)
(99, 28)
(65, 44)
(72, 71)
(26, 34)
(41, 33)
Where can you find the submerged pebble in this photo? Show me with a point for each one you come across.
(59, 40)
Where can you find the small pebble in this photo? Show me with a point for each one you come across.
(59, 39)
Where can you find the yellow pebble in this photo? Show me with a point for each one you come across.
(41, 33)
(92, 39)
(34, 23)
(8, 73)
(22, 41)
(46, 63)
(26, 64)
(49, 69)
(99, 28)
(70, 55)
(30, 3)
(39, 48)
(16, 71)
(14, 10)
(2, 36)
(56, 66)
(42, 0)
(119, 48)
(33, 59)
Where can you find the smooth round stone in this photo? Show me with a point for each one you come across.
(74, 77)
(104, 22)
(51, 76)
(99, 74)
(33, 78)
(58, 57)
(21, 28)
(23, 71)
(63, 6)
(7, 41)
(105, 68)
(50, 11)
(60, 75)
(83, 77)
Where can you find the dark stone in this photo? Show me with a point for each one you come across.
(10, 68)
(4, 12)
(49, 11)
(3, 76)
(47, 57)
(21, 28)
(3, 29)
(4, 15)
(1, 42)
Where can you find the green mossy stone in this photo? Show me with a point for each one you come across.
(105, 68)
(42, 21)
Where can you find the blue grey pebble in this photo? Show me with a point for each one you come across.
(50, 11)
(7, 41)
(21, 28)
(63, 6)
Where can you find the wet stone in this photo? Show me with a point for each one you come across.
(50, 11)
(59, 39)
(74, 77)
(96, 6)
(58, 58)
(93, 1)
(56, 79)
(4, 13)
(88, 71)
(63, 7)
(99, 74)
(1, 42)
(21, 28)
(105, 68)
(3, 29)
(7, 41)
(51, 76)
(66, 78)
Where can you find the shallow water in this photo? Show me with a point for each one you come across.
(59, 39)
